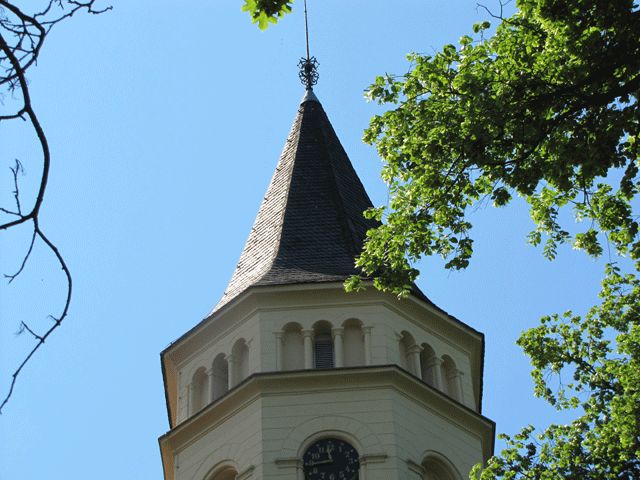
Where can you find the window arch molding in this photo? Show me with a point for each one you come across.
(352, 321)
(292, 326)
(438, 467)
(225, 470)
(322, 325)
(298, 440)
(191, 370)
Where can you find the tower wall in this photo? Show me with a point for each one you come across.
(292, 378)
(391, 415)
(394, 421)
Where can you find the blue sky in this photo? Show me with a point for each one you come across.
(166, 121)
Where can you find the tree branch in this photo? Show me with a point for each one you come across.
(57, 321)
(25, 36)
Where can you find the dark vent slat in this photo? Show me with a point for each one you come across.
(323, 352)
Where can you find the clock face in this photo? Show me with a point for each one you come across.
(331, 459)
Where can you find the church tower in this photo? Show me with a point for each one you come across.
(291, 378)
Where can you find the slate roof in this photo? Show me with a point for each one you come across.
(310, 226)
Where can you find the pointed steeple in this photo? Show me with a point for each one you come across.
(310, 226)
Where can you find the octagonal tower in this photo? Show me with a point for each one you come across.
(291, 378)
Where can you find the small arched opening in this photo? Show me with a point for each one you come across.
(353, 339)
(199, 397)
(220, 376)
(293, 347)
(407, 346)
(240, 353)
(451, 378)
(322, 345)
(438, 467)
(429, 365)
(226, 473)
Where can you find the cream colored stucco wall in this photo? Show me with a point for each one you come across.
(263, 429)
(261, 326)
(235, 440)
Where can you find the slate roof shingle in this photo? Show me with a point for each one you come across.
(310, 226)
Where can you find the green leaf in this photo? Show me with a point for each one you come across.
(546, 108)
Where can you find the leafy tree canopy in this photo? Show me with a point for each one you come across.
(264, 12)
(600, 353)
(546, 108)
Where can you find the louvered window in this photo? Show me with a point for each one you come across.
(323, 351)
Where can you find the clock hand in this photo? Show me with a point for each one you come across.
(329, 450)
(320, 462)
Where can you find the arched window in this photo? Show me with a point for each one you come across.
(228, 473)
(199, 396)
(438, 467)
(220, 376)
(429, 364)
(240, 353)
(407, 348)
(451, 378)
(322, 345)
(353, 339)
(293, 347)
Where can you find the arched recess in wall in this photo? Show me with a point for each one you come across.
(292, 347)
(438, 467)
(240, 353)
(353, 339)
(220, 376)
(450, 378)
(406, 345)
(322, 345)
(429, 364)
(199, 391)
(226, 473)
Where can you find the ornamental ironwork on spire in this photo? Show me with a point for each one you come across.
(308, 65)
(308, 72)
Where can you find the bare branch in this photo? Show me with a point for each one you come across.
(13, 116)
(57, 321)
(28, 109)
(12, 277)
(16, 189)
(497, 16)
(21, 38)
(9, 212)
(24, 326)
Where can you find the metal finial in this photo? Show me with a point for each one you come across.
(308, 66)
(308, 72)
